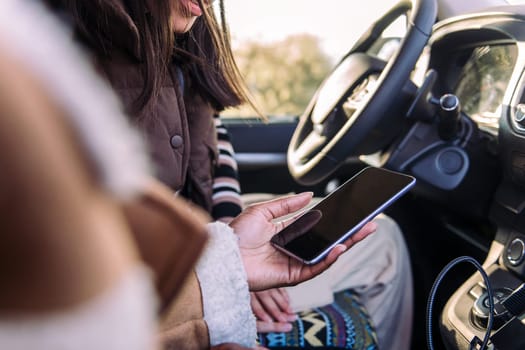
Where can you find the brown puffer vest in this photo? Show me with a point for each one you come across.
(179, 129)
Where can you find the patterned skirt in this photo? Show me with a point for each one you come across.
(344, 324)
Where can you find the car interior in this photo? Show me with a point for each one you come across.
(447, 107)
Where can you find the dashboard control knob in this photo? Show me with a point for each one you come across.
(480, 310)
(516, 251)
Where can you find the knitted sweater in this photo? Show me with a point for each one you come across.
(226, 198)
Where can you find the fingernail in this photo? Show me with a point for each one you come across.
(287, 327)
(310, 193)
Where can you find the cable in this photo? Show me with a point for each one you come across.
(432, 296)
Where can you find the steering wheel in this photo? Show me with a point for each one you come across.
(358, 108)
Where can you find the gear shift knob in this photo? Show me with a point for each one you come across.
(449, 112)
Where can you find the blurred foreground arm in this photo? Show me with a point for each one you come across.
(69, 272)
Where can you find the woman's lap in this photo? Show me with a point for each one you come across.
(343, 324)
(377, 270)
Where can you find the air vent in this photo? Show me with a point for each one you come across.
(519, 116)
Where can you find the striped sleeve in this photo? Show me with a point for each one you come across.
(226, 198)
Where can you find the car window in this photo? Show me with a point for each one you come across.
(284, 49)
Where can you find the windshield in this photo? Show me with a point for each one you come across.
(284, 49)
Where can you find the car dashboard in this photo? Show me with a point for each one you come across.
(479, 76)
(480, 58)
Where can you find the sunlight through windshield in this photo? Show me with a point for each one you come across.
(337, 23)
(285, 49)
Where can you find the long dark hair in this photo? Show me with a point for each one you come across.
(214, 71)
(204, 52)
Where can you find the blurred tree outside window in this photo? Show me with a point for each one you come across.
(284, 49)
(283, 75)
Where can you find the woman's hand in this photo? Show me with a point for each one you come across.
(266, 267)
(272, 310)
(233, 346)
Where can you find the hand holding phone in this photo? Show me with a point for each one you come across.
(341, 214)
(265, 266)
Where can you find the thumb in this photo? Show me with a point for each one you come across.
(278, 207)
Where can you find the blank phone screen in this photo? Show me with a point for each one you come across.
(352, 204)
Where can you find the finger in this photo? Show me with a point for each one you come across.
(277, 327)
(324, 264)
(229, 346)
(303, 272)
(284, 205)
(283, 293)
(274, 303)
(270, 306)
(280, 296)
(369, 228)
(234, 346)
(339, 249)
(258, 310)
(334, 254)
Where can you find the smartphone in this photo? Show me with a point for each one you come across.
(316, 231)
